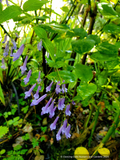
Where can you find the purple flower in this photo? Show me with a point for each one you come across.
(3, 64)
(39, 45)
(53, 125)
(67, 112)
(19, 52)
(57, 89)
(67, 134)
(6, 49)
(45, 109)
(16, 35)
(36, 95)
(23, 68)
(64, 89)
(1, 1)
(61, 104)
(73, 102)
(5, 38)
(7, 2)
(51, 109)
(64, 126)
(28, 93)
(11, 54)
(58, 137)
(14, 44)
(26, 80)
(39, 80)
(49, 87)
(35, 102)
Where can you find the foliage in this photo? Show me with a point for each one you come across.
(59, 80)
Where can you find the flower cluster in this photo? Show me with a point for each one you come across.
(49, 108)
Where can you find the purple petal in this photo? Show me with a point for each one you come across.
(52, 112)
(19, 52)
(61, 104)
(5, 39)
(39, 45)
(49, 87)
(3, 64)
(58, 137)
(6, 49)
(36, 95)
(23, 68)
(57, 89)
(26, 80)
(45, 109)
(16, 35)
(36, 102)
(67, 112)
(39, 80)
(67, 134)
(64, 126)
(53, 125)
(7, 2)
(14, 44)
(28, 93)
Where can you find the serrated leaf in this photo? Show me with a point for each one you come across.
(2, 96)
(31, 5)
(83, 72)
(86, 90)
(3, 131)
(83, 46)
(9, 13)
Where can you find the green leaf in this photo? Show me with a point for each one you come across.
(41, 33)
(1, 7)
(65, 75)
(2, 96)
(86, 90)
(107, 10)
(77, 32)
(83, 72)
(106, 52)
(2, 151)
(18, 147)
(111, 28)
(31, 5)
(64, 9)
(1, 75)
(83, 46)
(9, 13)
(95, 38)
(3, 131)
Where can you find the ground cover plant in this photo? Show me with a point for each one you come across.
(60, 80)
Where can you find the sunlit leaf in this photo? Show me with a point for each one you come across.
(2, 95)
(3, 131)
(104, 151)
(81, 153)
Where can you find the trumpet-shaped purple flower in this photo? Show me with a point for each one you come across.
(26, 80)
(64, 126)
(39, 45)
(3, 64)
(67, 112)
(28, 93)
(16, 35)
(45, 109)
(58, 136)
(73, 102)
(67, 130)
(7, 2)
(61, 104)
(36, 102)
(23, 68)
(64, 89)
(11, 54)
(49, 87)
(0, 1)
(14, 44)
(6, 49)
(38, 79)
(5, 38)
(36, 95)
(19, 52)
(51, 109)
(53, 125)
(57, 89)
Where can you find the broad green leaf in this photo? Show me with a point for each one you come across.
(77, 32)
(86, 90)
(3, 131)
(111, 28)
(106, 52)
(41, 33)
(2, 151)
(57, 64)
(64, 75)
(64, 9)
(95, 38)
(2, 96)
(9, 13)
(107, 10)
(1, 7)
(83, 46)
(83, 72)
(32, 5)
